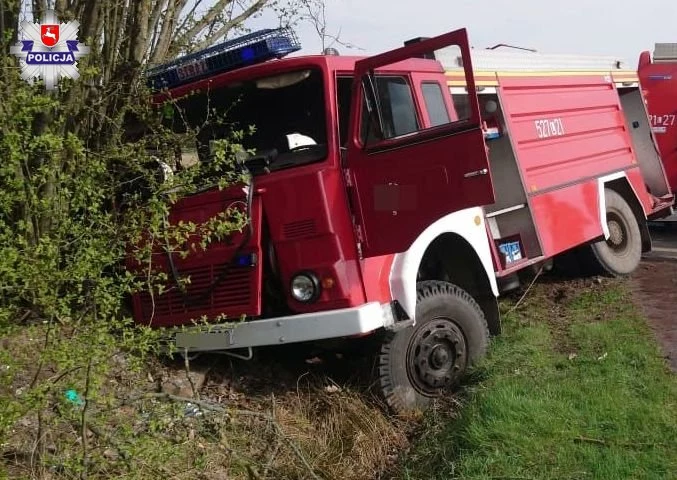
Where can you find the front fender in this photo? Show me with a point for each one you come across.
(469, 225)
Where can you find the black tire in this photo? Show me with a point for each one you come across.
(621, 253)
(422, 362)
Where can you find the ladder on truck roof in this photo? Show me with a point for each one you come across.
(665, 53)
(526, 61)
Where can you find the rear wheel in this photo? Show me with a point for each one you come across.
(420, 363)
(621, 253)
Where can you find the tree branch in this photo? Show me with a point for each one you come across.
(164, 38)
(190, 14)
(155, 14)
(206, 19)
(223, 30)
(83, 421)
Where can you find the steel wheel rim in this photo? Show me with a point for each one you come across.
(618, 233)
(437, 356)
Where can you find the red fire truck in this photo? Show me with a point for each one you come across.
(394, 196)
(658, 77)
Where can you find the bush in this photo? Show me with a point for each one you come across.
(76, 196)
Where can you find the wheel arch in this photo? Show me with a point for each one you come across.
(460, 238)
(621, 185)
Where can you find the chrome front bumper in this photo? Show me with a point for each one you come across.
(282, 330)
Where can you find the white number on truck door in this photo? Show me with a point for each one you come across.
(663, 120)
(549, 128)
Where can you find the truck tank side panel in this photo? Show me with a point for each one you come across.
(659, 83)
(218, 285)
(565, 128)
(314, 235)
(568, 216)
(637, 183)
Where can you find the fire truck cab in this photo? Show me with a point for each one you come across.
(392, 196)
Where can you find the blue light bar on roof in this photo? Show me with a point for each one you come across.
(256, 47)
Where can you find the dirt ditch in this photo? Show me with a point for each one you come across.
(654, 287)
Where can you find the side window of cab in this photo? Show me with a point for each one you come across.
(434, 103)
(398, 110)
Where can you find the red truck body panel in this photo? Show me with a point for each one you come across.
(559, 133)
(659, 82)
(565, 129)
(218, 285)
(567, 216)
(316, 234)
(403, 185)
(566, 132)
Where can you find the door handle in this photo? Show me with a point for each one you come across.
(476, 173)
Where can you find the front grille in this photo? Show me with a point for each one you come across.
(233, 296)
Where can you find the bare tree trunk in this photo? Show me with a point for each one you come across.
(39, 9)
(9, 20)
(115, 15)
(89, 25)
(139, 32)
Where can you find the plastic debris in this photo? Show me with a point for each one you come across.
(192, 410)
(73, 397)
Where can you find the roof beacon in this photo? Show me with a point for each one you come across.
(256, 47)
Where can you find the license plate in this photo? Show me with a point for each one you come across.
(204, 340)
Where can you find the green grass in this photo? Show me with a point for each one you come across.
(574, 389)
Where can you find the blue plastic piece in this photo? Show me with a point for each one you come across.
(256, 47)
(246, 260)
(660, 77)
(73, 397)
(512, 251)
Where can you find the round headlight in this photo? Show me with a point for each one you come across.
(305, 287)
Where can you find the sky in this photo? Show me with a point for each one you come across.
(590, 27)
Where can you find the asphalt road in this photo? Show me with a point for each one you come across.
(664, 240)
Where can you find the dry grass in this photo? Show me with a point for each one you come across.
(261, 419)
(342, 435)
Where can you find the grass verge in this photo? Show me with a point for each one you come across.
(575, 388)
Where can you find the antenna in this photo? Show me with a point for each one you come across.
(499, 45)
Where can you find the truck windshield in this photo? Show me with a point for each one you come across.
(281, 118)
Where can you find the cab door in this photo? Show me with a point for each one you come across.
(405, 173)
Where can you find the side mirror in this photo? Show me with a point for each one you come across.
(164, 171)
(241, 157)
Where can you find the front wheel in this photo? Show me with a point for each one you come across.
(420, 363)
(621, 253)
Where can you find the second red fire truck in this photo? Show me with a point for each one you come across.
(658, 76)
(396, 196)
